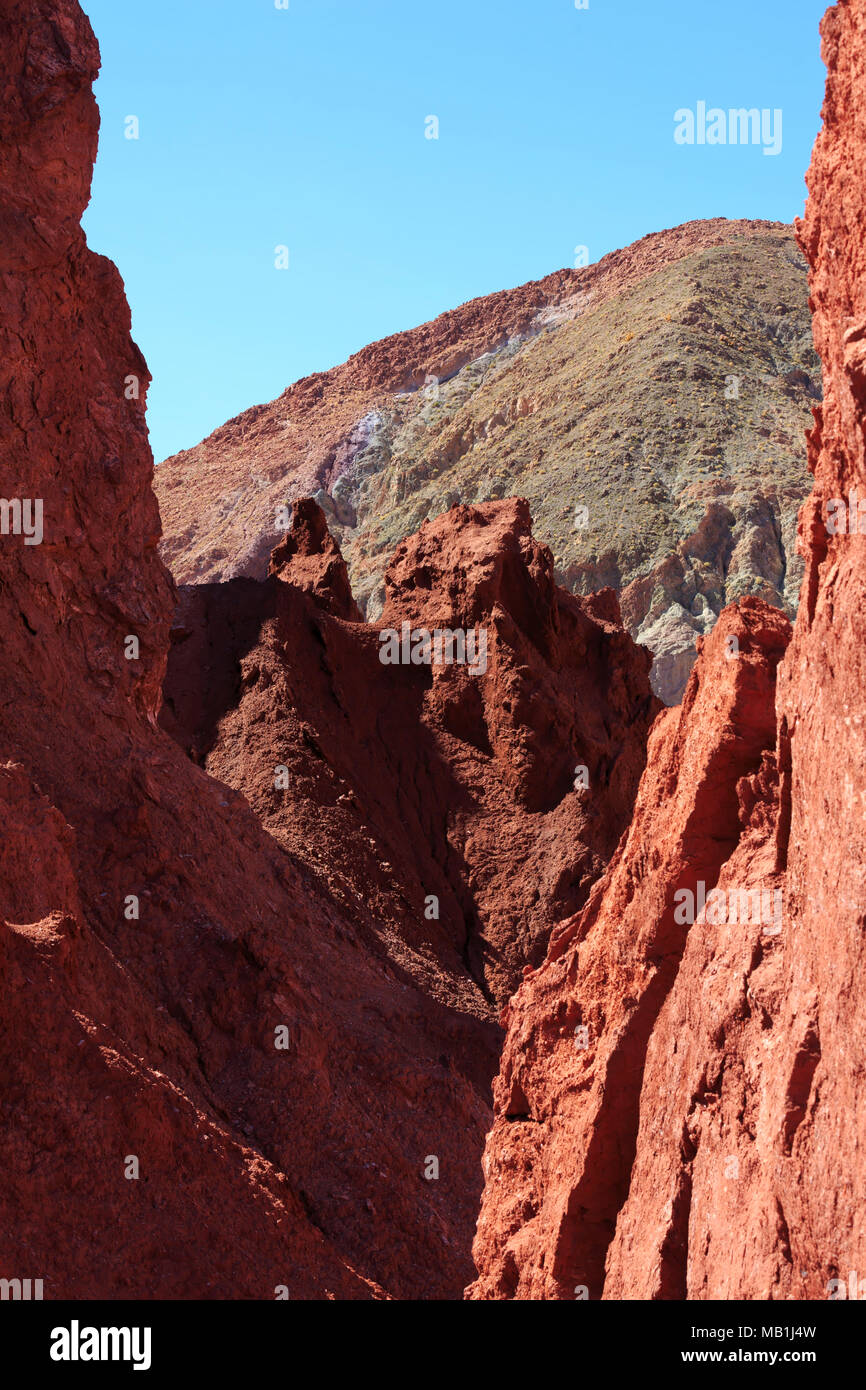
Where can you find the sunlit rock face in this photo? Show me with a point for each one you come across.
(679, 1112)
(651, 409)
(248, 1026)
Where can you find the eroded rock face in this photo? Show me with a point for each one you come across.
(650, 408)
(225, 998)
(418, 788)
(569, 1095)
(702, 1138)
(821, 706)
(70, 438)
(310, 558)
(177, 989)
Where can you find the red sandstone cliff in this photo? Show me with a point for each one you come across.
(702, 1138)
(232, 1042)
(451, 780)
(678, 1111)
(152, 935)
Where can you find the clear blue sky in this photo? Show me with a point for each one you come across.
(262, 127)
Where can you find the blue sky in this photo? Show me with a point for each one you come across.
(305, 128)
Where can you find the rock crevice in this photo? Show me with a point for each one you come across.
(683, 1137)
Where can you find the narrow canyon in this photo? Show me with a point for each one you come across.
(331, 969)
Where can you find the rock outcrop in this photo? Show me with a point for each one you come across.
(415, 788)
(239, 1058)
(251, 971)
(214, 1085)
(310, 558)
(679, 1110)
(651, 409)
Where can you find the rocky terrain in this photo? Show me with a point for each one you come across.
(680, 1111)
(405, 781)
(651, 409)
(249, 1025)
(277, 903)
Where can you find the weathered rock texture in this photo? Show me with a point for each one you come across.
(678, 1112)
(664, 390)
(703, 1137)
(153, 1035)
(309, 557)
(259, 1016)
(406, 781)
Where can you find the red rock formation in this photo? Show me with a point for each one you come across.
(567, 1101)
(310, 558)
(703, 1137)
(153, 937)
(161, 931)
(420, 780)
(200, 1016)
(305, 441)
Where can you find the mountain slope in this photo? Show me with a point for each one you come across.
(651, 408)
(405, 781)
(680, 1109)
(227, 1064)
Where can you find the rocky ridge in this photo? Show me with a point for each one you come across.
(225, 993)
(234, 1054)
(679, 1111)
(651, 409)
(404, 781)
